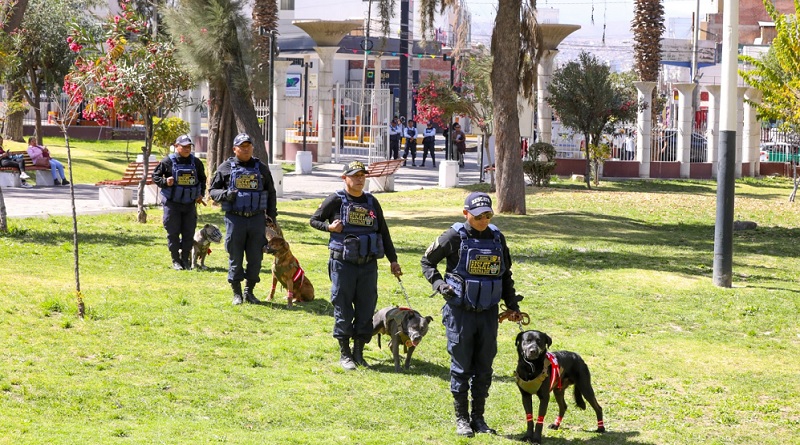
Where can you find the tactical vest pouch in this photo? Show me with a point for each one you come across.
(482, 295)
(457, 283)
(351, 250)
(375, 242)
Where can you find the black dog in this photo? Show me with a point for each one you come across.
(539, 372)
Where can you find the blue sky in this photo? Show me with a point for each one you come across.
(616, 14)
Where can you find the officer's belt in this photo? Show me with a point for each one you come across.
(247, 214)
(362, 260)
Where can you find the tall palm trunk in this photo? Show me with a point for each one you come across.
(505, 88)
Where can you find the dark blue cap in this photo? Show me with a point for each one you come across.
(477, 203)
(184, 140)
(241, 138)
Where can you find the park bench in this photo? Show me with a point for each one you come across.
(9, 176)
(381, 174)
(120, 192)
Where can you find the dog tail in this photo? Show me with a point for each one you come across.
(579, 402)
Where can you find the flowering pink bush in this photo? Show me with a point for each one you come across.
(125, 72)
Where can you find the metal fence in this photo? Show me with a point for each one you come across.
(361, 123)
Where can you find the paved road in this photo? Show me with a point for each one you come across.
(325, 179)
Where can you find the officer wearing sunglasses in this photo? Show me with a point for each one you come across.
(477, 277)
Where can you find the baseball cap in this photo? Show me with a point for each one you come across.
(477, 203)
(241, 138)
(355, 167)
(184, 140)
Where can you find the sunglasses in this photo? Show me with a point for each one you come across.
(487, 215)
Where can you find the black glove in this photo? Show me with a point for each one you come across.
(447, 291)
(230, 195)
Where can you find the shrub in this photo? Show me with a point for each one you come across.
(540, 163)
(166, 130)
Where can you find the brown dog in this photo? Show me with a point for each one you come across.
(286, 270)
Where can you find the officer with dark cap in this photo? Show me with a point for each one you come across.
(244, 186)
(477, 277)
(359, 237)
(182, 180)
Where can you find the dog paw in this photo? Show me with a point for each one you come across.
(601, 429)
(553, 426)
(530, 439)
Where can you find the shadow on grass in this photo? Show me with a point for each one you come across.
(418, 367)
(609, 437)
(317, 306)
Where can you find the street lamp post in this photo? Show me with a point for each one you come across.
(305, 103)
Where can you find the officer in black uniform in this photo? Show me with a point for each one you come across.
(477, 277)
(410, 133)
(359, 237)
(244, 186)
(395, 134)
(182, 180)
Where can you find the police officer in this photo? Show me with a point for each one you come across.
(395, 134)
(359, 237)
(477, 276)
(244, 186)
(429, 144)
(182, 180)
(410, 133)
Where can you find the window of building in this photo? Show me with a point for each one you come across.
(287, 5)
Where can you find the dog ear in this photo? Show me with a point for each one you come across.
(518, 341)
(547, 339)
(429, 318)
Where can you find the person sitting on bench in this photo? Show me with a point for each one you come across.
(40, 155)
(14, 161)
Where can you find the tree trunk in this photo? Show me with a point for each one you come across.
(221, 127)
(13, 125)
(3, 213)
(587, 175)
(148, 147)
(14, 16)
(75, 250)
(505, 88)
(35, 101)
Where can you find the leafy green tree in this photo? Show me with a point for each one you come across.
(777, 75)
(128, 72)
(11, 14)
(167, 130)
(41, 57)
(584, 97)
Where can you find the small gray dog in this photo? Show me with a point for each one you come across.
(403, 326)
(202, 241)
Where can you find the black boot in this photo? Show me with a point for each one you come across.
(346, 358)
(405, 160)
(461, 404)
(237, 292)
(248, 293)
(358, 353)
(478, 424)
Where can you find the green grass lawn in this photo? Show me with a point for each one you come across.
(621, 275)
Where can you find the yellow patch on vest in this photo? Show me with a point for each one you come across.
(246, 182)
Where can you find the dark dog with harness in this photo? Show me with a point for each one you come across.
(202, 243)
(540, 372)
(403, 326)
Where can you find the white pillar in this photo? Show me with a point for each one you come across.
(279, 108)
(325, 101)
(685, 125)
(739, 128)
(545, 75)
(643, 126)
(752, 131)
(191, 112)
(712, 129)
(378, 73)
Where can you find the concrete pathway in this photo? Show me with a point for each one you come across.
(324, 180)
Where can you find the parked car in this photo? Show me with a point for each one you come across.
(667, 146)
(779, 152)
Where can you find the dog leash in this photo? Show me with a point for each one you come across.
(523, 319)
(405, 294)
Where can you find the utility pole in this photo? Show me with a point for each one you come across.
(305, 102)
(404, 7)
(726, 181)
(366, 45)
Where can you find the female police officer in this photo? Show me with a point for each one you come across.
(478, 276)
(244, 186)
(359, 236)
(182, 180)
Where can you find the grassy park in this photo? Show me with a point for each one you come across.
(621, 275)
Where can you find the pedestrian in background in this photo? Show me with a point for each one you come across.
(410, 134)
(245, 188)
(395, 134)
(359, 237)
(182, 180)
(429, 144)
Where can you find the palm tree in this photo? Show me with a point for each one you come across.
(265, 16)
(648, 27)
(208, 41)
(515, 55)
